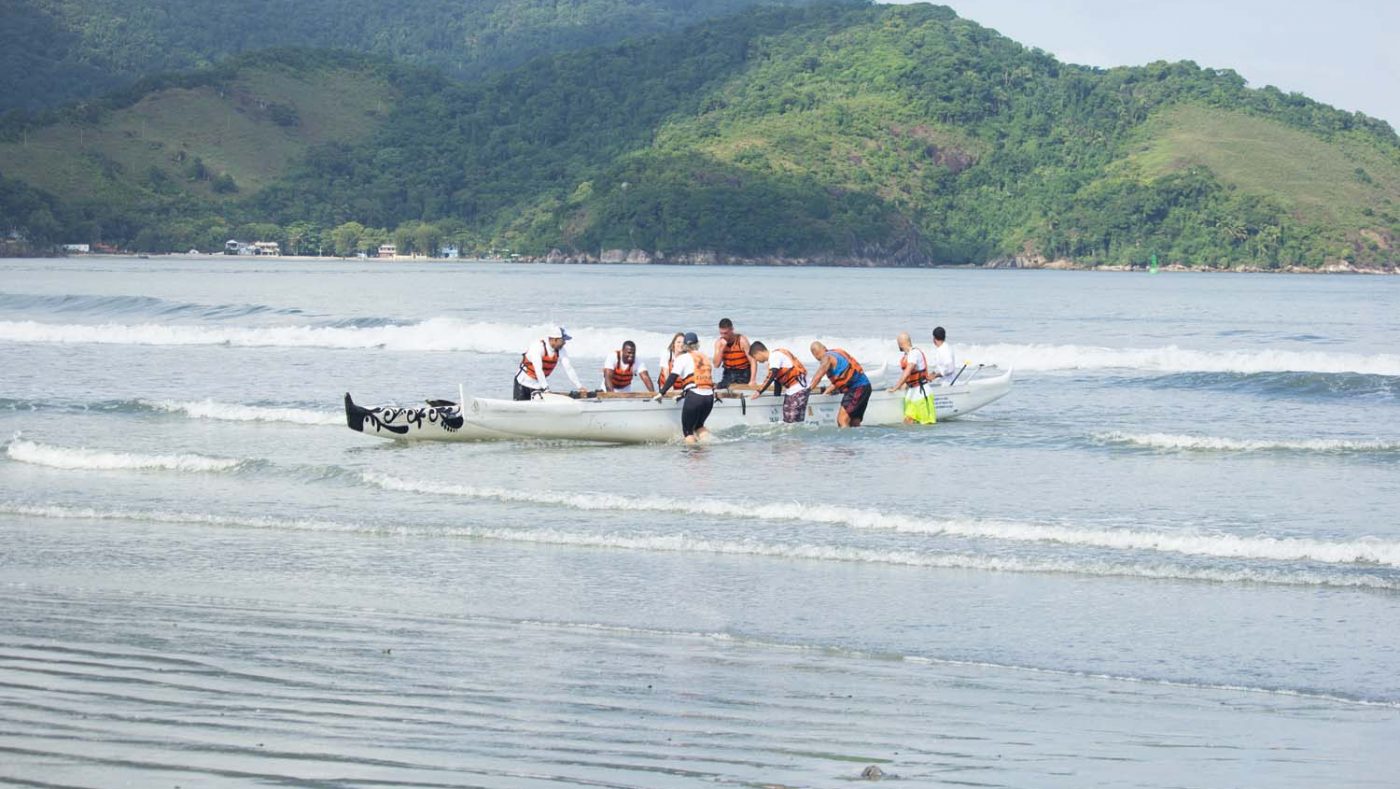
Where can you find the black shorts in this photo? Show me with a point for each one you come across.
(695, 409)
(523, 392)
(741, 376)
(854, 402)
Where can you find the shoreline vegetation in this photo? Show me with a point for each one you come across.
(801, 133)
(639, 258)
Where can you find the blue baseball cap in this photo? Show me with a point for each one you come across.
(690, 338)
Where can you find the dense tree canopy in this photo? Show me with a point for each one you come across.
(900, 134)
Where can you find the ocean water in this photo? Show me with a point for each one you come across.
(1171, 557)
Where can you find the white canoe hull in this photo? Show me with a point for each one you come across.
(641, 420)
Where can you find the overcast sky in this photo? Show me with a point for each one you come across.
(1345, 52)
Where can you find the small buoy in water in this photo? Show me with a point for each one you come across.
(872, 773)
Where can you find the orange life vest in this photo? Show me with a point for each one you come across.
(734, 357)
(549, 361)
(702, 378)
(621, 376)
(918, 378)
(852, 367)
(787, 376)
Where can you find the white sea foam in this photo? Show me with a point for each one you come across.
(1210, 545)
(450, 334)
(100, 460)
(1181, 360)
(1172, 441)
(685, 543)
(234, 412)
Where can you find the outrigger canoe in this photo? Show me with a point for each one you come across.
(636, 417)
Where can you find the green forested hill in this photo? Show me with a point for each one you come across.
(56, 51)
(894, 134)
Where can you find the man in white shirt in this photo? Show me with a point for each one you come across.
(622, 367)
(537, 363)
(943, 363)
(785, 372)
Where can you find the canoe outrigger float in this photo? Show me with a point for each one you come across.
(636, 417)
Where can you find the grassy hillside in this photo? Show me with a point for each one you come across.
(57, 51)
(892, 134)
(196, 146)
(1332, 182)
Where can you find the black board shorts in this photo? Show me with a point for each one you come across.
(695, 409)
(730, 377)
(523, 392)
(855, 400)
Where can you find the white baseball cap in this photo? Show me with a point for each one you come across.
(561, 333)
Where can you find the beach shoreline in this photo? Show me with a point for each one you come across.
(709, 260)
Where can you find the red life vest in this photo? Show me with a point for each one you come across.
(546, 359)
(702, 378)
(788, 376)
(733, 356)
(918, 378)
(621, 375)
(852, 367)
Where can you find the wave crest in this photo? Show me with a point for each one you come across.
(684, 543)
(1189, 443)
(451, 334)
(1206, 545)
(75, 459)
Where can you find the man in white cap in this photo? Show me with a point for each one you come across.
(538, 362)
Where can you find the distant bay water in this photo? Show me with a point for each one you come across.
(1170, 557)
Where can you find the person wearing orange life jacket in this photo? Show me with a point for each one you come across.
(847, 378)
(732, 353)
(674, 348)
(914, 379)
(622, 367)
(786, 375)
(692, 374)
(537, 363)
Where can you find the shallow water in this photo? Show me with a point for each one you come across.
(1169, 558)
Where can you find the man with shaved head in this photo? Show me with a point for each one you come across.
(914, 380)
(847, 378)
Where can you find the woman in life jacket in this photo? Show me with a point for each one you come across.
(692, 373)
(674, 348)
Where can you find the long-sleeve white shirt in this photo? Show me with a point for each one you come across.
(535, 355)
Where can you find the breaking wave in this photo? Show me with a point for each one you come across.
(684, 543)
(194, 409)
(451, 334)
(100, 460)
(1188, 443)
(83, 304)
(1206, 545)
(235, 412)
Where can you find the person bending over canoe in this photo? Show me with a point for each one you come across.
(537, 363)
(786, 375)
(914, 380)
(944, 364)
(692, 374)
(622, 367)
(732, 353)
(846, 377)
